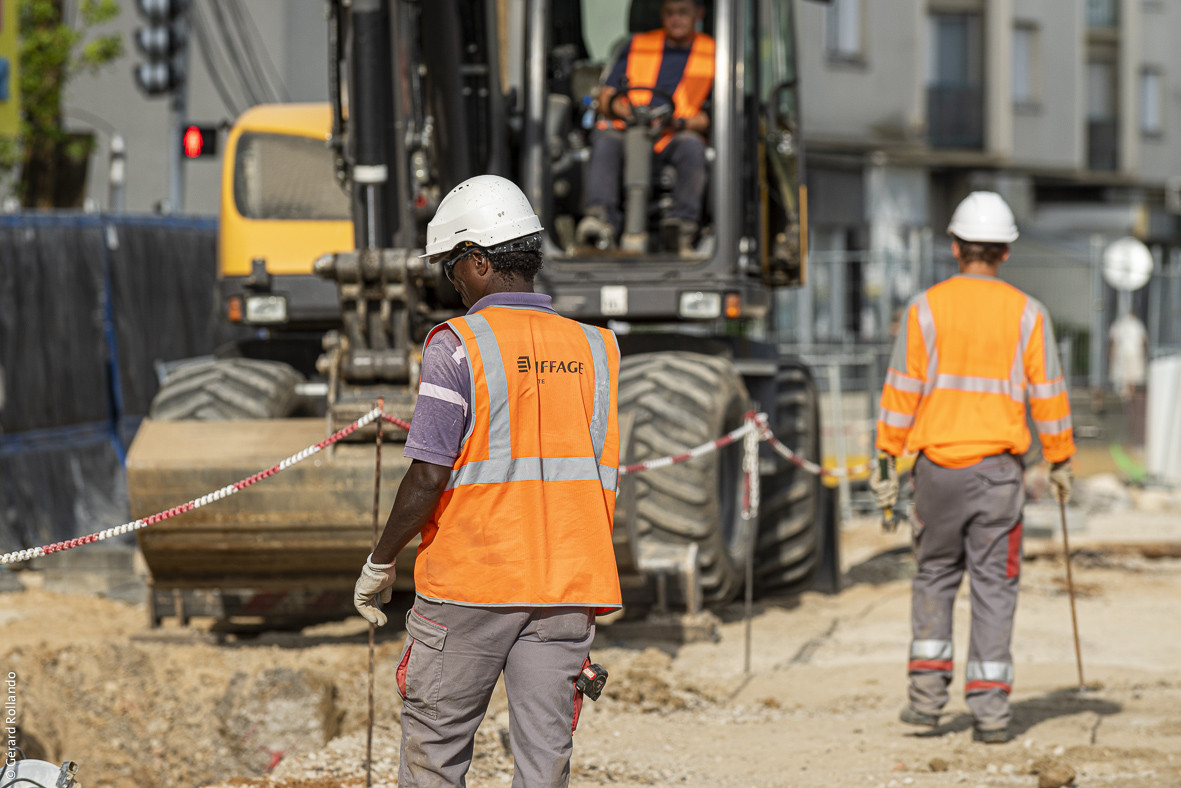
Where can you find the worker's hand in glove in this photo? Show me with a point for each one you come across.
(374, 588)
(1061, 481)
(884, 481)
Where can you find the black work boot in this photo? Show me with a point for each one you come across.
(991, 735)
(912, 716)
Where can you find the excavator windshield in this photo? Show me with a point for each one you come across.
(615, 185)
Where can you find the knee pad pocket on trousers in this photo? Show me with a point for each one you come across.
(420, 669)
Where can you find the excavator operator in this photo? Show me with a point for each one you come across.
(678, 61)
(515, 450)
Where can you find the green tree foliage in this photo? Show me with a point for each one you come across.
(52, 161)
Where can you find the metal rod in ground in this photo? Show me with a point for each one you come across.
(750, 571)
(750, 513)
(1078, 653)
(373, 627)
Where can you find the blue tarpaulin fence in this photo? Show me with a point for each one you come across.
(89, 304)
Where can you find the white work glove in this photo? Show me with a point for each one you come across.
(884, 485)
(374, 588)
(1061, 481)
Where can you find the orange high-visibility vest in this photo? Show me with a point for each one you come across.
(969, 352)
(643, 67)
(527, 515)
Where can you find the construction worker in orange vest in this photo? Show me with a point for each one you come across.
(515, 453)
(678, 62)
(970, 351)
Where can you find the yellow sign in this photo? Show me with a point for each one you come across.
(10, 92)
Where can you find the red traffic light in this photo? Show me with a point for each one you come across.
(198, 141)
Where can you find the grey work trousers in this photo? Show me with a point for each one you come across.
(966, 517)
(449, 667)
(685, 153)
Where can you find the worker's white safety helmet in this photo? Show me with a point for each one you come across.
(487, 210)
(983, 217)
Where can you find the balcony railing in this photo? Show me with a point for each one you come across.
(1103, 144)
(955, 116)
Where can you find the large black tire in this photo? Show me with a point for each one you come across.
(680, 400)
(788, 551)
(227, 389)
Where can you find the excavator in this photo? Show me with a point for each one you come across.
(323, 217)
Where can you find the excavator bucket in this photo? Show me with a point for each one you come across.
(309, 526)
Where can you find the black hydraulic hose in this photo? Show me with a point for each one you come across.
(370, 121)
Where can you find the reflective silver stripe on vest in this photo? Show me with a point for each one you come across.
(1017, 371)
(927, 325)
(930, 649)
(501, 466)
(528, 469)
(1052, 427)
(979, 386)
(1049, 345)
(602, 381)
(903, 383)
(989, 671)
(500, 436)
(892, 418)
(1047, 390)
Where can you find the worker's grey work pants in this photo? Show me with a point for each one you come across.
(448, 668)
(685, 153)
(966, 517)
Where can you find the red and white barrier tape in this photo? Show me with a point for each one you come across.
(196, 503)
(807, 465)
(696, 451)
(755, 425)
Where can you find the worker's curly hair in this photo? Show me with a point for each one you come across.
(985, 252)
(526, 264)
(520, 257)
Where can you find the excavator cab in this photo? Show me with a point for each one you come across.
(751, 234)
(583, 55)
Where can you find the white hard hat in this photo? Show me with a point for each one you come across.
(486, 210)
(984, 217)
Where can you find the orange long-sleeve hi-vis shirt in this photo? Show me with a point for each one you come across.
(969, 352)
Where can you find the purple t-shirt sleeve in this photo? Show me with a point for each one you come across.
(443, 411)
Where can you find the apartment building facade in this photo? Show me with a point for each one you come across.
(1069, 108)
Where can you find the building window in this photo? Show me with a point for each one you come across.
(955, 87)
(1102, 14)
(1151, 122)
(1102, 122)
(1025, 57)
(843, 30)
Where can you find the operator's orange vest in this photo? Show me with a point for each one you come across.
(697, 80)
(970, 352)
(527, 515)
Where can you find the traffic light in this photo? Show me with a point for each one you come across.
(162, 42)
(198, 141)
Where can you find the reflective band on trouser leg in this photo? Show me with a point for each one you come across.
(927, 656)
(985, 676)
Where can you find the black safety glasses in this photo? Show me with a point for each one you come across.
(451, 257)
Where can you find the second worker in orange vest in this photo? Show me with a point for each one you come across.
(515, 449)
(970, 351)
